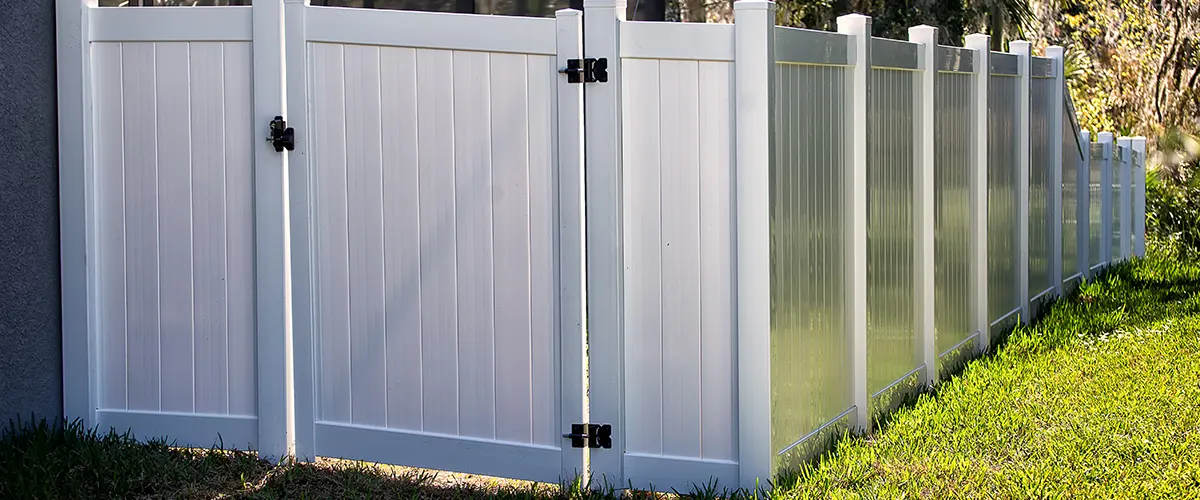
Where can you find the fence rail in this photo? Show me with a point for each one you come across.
(785, 231)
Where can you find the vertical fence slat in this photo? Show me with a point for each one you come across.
(754, 93)
(858, 99)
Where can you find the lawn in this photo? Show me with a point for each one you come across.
(1101, 399)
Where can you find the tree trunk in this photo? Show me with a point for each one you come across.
(650, 10)
(996, 25)
(696, 13)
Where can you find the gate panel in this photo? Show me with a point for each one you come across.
(679, 343)
(436, 230)
(174, 190)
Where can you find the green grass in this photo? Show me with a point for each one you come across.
(1101, 399)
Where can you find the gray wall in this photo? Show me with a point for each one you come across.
(30, 338)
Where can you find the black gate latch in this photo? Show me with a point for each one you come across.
(586, 70)
(590, 436)
(282, 136)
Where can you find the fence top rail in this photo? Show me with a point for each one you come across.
(1004, 64)
(895, 54)
(433, 30)
(955, 59)
(683, 41)
(194, 24)
(822, 48)
(1041, 67)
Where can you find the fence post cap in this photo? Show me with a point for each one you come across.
(852, 23)
(753, 5)
(603, 3)
(922, 30)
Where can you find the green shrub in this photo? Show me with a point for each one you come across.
(1173, 212)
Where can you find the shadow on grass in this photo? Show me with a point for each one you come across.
(53, 460)
(66, 460)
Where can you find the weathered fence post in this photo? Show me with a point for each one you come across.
(923, 201)
(1022, 50)
(857, 96)
(978, 275)
(1055, 53)
(1106, 201)
(1139, 197)
(754, 60)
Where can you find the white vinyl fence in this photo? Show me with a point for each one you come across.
(785, 231)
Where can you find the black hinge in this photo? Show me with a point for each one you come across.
(282, 136)
(590, 436)
(586, 70)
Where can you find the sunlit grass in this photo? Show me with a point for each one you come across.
(1101, 399)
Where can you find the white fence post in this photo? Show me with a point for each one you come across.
(572, 251)
(1125, 203)
(754, 35)
(76, 227)
(1083, 210)
(923, 200)
(300, 180)
(1055, 53)
(1139, 197)
(1106, 201)
(271, 240)
(978, 275)
(857, 95)
(605, 234)
(1022, 50)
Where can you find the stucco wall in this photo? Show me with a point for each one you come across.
(30, 342)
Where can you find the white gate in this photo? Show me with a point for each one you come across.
(436, 199)
(663, 368)
(174, 275)
(399, 281)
